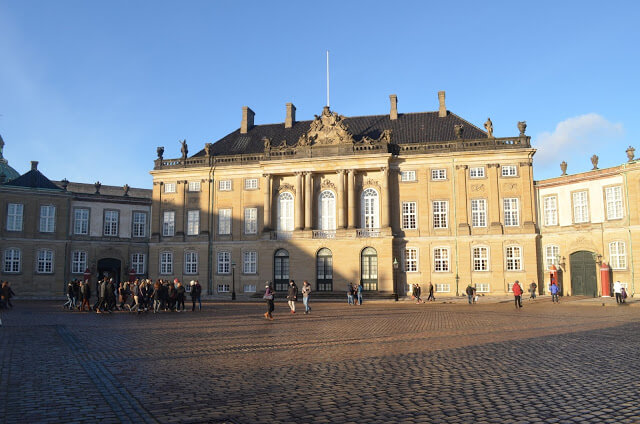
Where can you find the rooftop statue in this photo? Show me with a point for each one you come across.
(489, 127)
(184, 149)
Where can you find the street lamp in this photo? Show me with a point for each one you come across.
(233, 279)
(395, 278)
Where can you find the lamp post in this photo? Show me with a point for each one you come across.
(395, 279)
(233, 280)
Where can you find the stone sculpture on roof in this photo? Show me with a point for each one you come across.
(184, 149)
(489, 127)
(328, 128)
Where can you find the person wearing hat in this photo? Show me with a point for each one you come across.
(292, 296)
(196, 290)
(268, 296)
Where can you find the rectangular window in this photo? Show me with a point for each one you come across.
(47, 218)
(443, 288)
(14, 216)
(250, 220)
(551, 256)
(440, 213)
(481, 258)
(224, 185)
(191, 262)
(169, 187)
(111, 223)
(407, 176)
(511, 212)
(509, 171)
(224, 262)
(618, 255)
(224, 221)
(251, 184)
(81, 221)
(411, 259)
(438, 174)
(580, 207)
(166, 263)
(514, 258)
(551, 210)
(477, 172)
(613, 196)
(78, 261)
(169, 223)
(409, 216)
(249, 262)
(223, 288)
(482, 287)
(138, 263)
(441, 259)
(479, 212)
(12, 260)
(249, 288)
(44, 263)
(139, 224)
(193, 222)
(194, 186)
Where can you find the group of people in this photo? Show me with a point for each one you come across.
(620, 291)
(137, 296)
(292, 297)
(416, 293)
(6, 293)
(354, 294)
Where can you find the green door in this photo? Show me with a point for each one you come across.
(583, 274)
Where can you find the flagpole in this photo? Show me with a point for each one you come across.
(327, 78)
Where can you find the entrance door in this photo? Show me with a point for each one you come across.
(109, 268)
(369, 269)
(324, 270)
(281, 270)
(583, 274)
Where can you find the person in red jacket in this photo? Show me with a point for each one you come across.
(517, 293)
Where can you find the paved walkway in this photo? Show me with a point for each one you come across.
(380, 362)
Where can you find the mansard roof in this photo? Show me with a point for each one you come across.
(422, 127)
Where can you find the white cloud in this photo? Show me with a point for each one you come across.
(579, 136)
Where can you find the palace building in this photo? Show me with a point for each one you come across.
(386, 200)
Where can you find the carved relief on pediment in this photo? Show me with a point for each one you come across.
(385, 137)
(328, 128)
(509, 186)
(326, 184)
(286, 187)
(477, 187)
(370, 183)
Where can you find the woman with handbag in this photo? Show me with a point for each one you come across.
(268, 296)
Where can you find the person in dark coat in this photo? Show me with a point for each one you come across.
(6, 293)
(102, 296)
(171, 296)
(431, 297)
(292, 296)
(157, 296)
(77, 299)
(180, 293)
(269, 294)
(111, 295)
(196, 291)
(85, 293)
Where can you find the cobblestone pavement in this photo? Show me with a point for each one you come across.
(381, 362)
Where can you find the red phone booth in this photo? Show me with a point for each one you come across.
(605, 278)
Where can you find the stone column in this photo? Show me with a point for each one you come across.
(527, 193)
(267, 202)
(342, 223)
(384, 215)
(351, 201)
(299, 205)
(462, 206)
(494, 202)
(308, 196)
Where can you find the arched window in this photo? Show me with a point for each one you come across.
(370, 209)
(324, 269)
(285, 211)
(327, 210)
(369, 268)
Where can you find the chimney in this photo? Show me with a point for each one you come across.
(291, 116)
(34, 165)
(247, 119)
(393, 115)
(442, 112)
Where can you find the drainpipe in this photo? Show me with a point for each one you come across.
(210, 235)
(626, 189)
(455, 220)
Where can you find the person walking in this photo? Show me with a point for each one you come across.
(180, 294)
(617, 289)
(111, 295)
(306, 292)
(517, 293)
(102, 296)
(350, 294)
(469, 292)
(359, 291)
(532, 290)
(553, 289)
(431, 297)
(292, 296)
(85, 292)
(156, 295)
(6, 293)
(196, 290)
(268, 296)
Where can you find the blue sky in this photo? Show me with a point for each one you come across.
(91, 88)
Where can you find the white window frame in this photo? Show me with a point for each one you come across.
(480, 255)
(166, 262)
(15, 216)
(513, 258)
(169, 187)
(511, 209)
(139, 224)
(249, 288)
(478, 213)
(251, 220)
(406, 176)
(327, 210)
(441, 259)
(580, 206)
(44, 261)
(370, 209)
(224, 221)
(551, 254)
(411, 259)
(482, 287)
(618, 255)
(442, 288)
(250, 262)
(613, 200)
(12, 261)
(190, 262)
(78, 261)
(409, 215)
(223, 262)
(251, 184)
(440, 212)
(476, 172)
(194, 186)
(47, 218)
(111, 226)
(550, 206)
(169, 223)
(193, 222)
(224, 288)
(138, 263)
(439, 174)
(509, 170)
(80, 221)
(286, 211)
(224, 185)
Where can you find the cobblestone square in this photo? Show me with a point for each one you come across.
(380, 362)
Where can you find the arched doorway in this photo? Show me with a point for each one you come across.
(324, 269)
(583, 274)
(110, 268)
(369, 268)
(281, 270)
